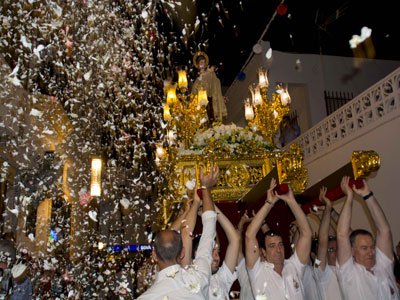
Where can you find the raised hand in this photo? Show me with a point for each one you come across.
(323, 198)
(211, 178)
(270, 195)
(365, 190)
(344, 185)
(245, 219)
(288, 197)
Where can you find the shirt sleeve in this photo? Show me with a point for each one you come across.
(383, 260)
(254, 271)
(323, 276)
(294, 259)
(227, 276)
(204, 252)
(242, 275)
(345, 272)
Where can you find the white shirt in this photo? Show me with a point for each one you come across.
(177, 283)
(221, 283)
(359, 284)
(311, 291)
(328, 284)
(243, 277)
(265, 281)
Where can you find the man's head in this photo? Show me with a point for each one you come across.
(215, 254)
(167, 247)
(215, 259)
(332, 250)
(274, 250)
(363, 248)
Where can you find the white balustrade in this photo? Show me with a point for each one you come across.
(372, 108)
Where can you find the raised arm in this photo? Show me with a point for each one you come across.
(384, 239)
(232, 251)
(303, 246)
(252, 247)
(204, 251)
(177, 223)
(207, 182)
(343, 227)
(188, 226)
(324, 229)
(243, 220)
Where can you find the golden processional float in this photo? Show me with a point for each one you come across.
(244, 155)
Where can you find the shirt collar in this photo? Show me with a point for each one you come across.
(170, 271)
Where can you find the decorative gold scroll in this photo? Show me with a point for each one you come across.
(364, 163)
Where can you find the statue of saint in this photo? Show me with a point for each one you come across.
(216, 108)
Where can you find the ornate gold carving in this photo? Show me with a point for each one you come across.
(291, 170)
(237, 175)
(364, 162)
(187, 116)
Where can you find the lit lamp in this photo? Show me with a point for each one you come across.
(262, 78)
(263, 113)
(248, 110)
(256, 95)
(202, 97)
(171, 95)
(183, 110)
(100, 245)
(167, 113)
(285, 98)
(95, 183)
(182, 80)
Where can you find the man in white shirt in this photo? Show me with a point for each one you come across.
(174, 282)
(277, 278)
(365, 272)
(222, 277)
(325, 266)
(243, 277)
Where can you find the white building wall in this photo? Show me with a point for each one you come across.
(378, 131)
(318, 73)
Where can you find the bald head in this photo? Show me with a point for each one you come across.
(168, 245)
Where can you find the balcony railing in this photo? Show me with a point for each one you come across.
(372, 108)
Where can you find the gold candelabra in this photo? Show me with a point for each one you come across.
(263, 113)
(184, 112)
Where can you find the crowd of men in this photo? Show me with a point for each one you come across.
(348, 264)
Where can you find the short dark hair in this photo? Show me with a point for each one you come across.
(314, 246)
(168, 245)
(358, 232)
(269, 233)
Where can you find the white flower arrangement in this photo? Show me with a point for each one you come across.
(231, 137)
